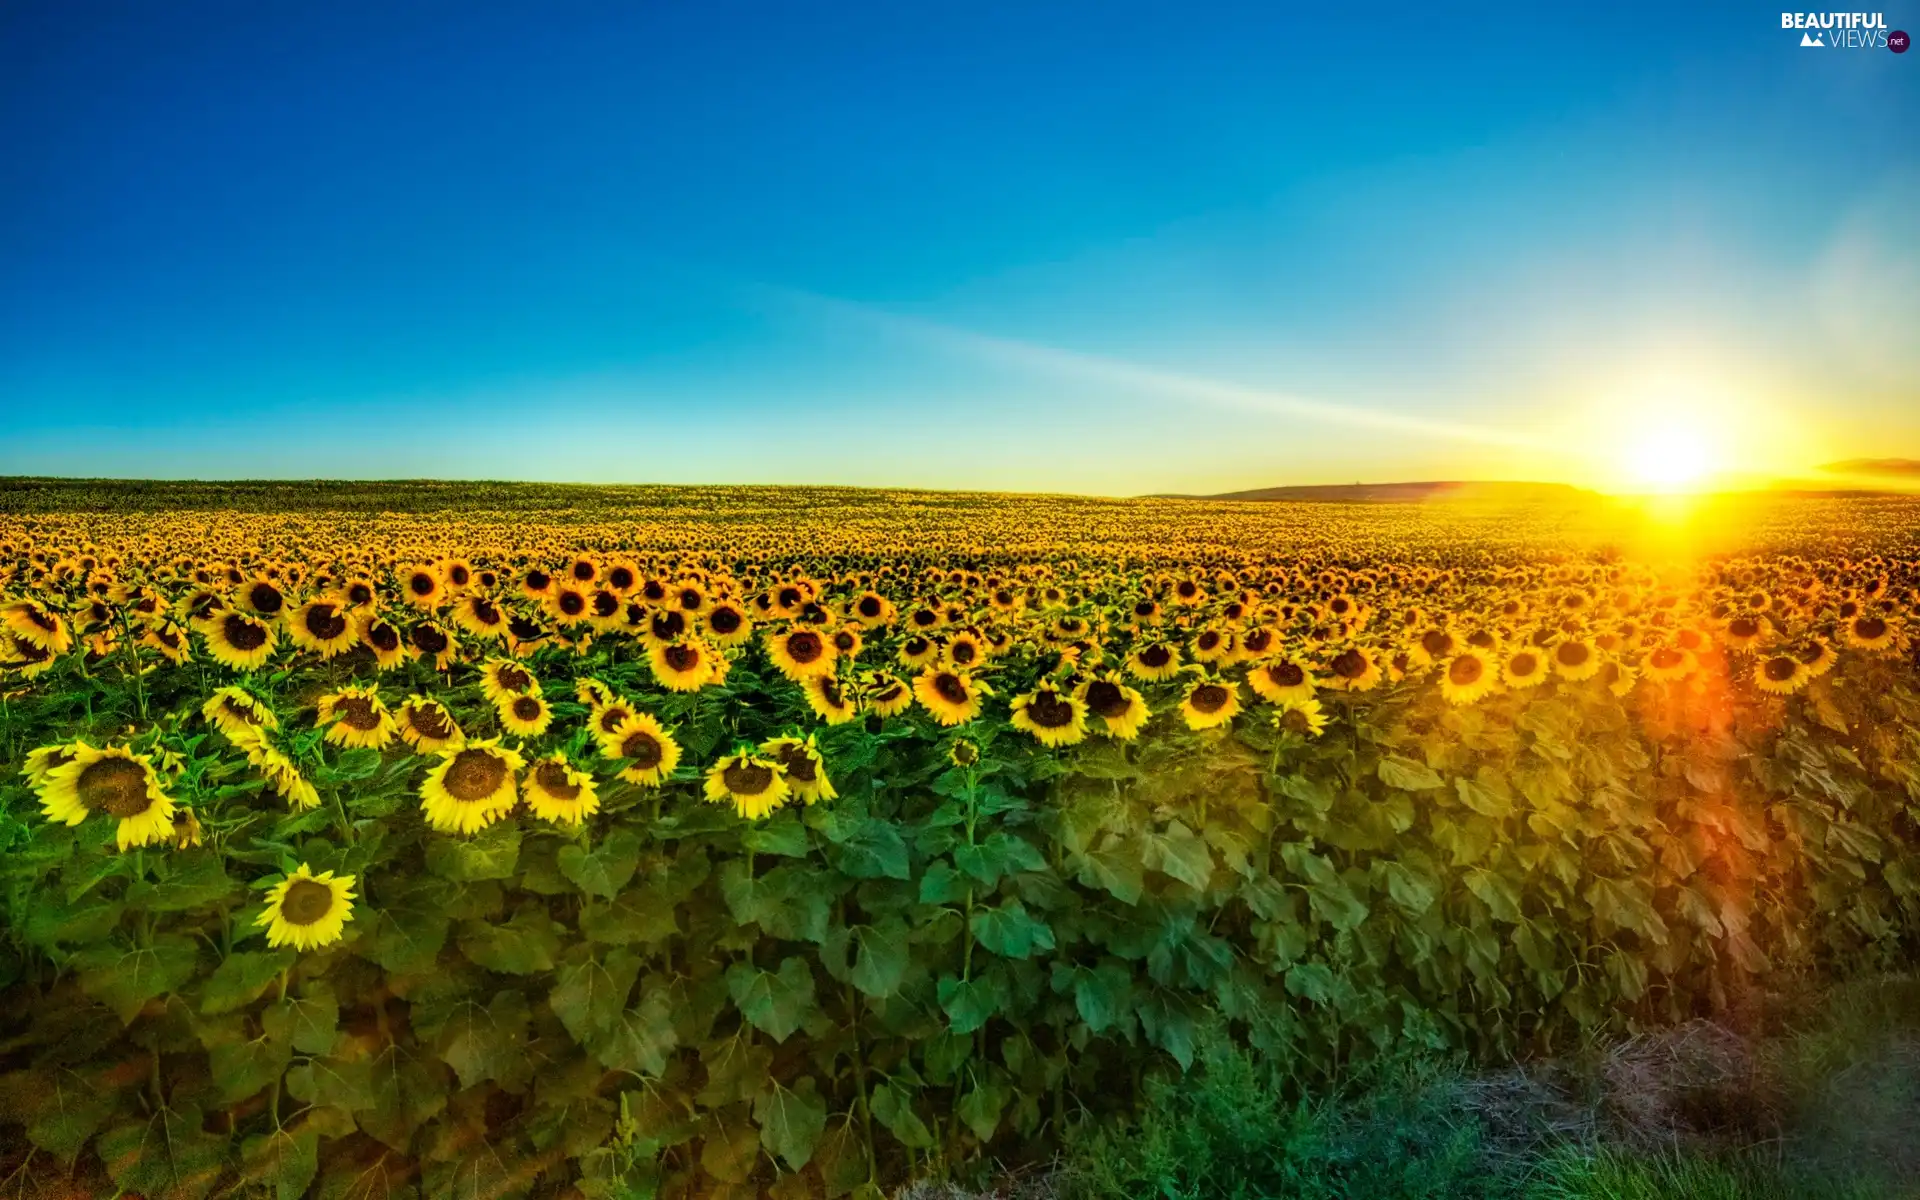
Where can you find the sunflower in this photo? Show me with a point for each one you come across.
(115, 781)
(805, 771)
(1468, 677)
(1054, 718)
(524, 716)
(918, 651)
(1210, 703)
(1302, 717)
(263, 598)
(963, 650)
(1743, 632)
(1576, 659)
(605, 718)
(1524, 669)
(1120, 709)
(238, 641)
(871, 609)
(40, 762)
(829, 699)
(1669, 662)
(1817, 657)
(480, 616)
(592, 692)
(726, 623)
(963, 753)
(504, 679)
(847, 642)
(651, 752)
(423, 588)
(683, 666)
(755, 786)
(884, 694)
(1869, 632)
(433, 641)
(952, 696)
(232, 709)
(279, 772)
(471, 787)
(321, 626)
(379, 636)
(24, 657)
(35, 624)
(1214, 646)
(1354, 670)
(560, 792)
(1781, 674)
(307, 911)
(427, 726)
(1281, 681)
(354, 716)
(1153, 661)
(799, 652)
(186, 829)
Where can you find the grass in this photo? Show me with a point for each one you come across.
(1828, 1104)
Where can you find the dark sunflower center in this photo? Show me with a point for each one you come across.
(948, 687)
(1350, 664)
(1436, 642)
(116, 785)
(553, 780)
(243, 634)
(243, 713)
(964, 653)
(325, 623)
(1287, 674)
(789, 597)
(356, 712)
(804, 647)
(1523, 665)
(621, 578)
(525, 629)
(870, 606)
(643, 748)
(798, 764)
(384, 637)
(668, 625)
(538, 580)
(475, 775)
(1106, 699)
(681, 658)
(690, 598)
(1812, 654)
(610, 718)
(605, 603)
(1208, 640)
(724, 621)
(1665, 657)
(747, 778)
(33, 614)
(1156, 657)
(430, 723)
(1208, 698)
(306, 901)
(1049, 711)
(1744, 627)
(1466, 670)
(429, 640)
(583, 570)
(1781, 668)
(420, 583)
(572, 603)
(265, 598)
(359, 593)
(1258, 641)
(1573, 654)
(526, 708)
(513, 679)
(1870, 628)
(843, 642)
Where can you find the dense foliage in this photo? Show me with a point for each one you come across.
(929, 847)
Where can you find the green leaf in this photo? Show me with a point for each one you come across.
(310, 1021)
(239, 980)
(981, 1107)
(486, 1043)
(1482, 799)
(1115, 870)
(125, 978)
(1500, 894)
(1000, 855)
(285, 1160)
(776, 1002)
(941, 884)
(1413, 891)
(168, 1156)
(589, 993)
(1311, 981)
(882, 960)
(642, 1035)
(874, 850)
(1010, 931)
(406, 939)
(490, 854)
(1178, 852)
(791, 1121)
(332, 1082)
(893, 1108)
(1401, 772)
(242, 1064)
(605, 869)
(195, 878)
(638, 916)
(526, 944)
(66, 1110)
(737, 1068)
(784, 835)
(967, 1003)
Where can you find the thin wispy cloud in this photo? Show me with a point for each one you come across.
(1138, 377)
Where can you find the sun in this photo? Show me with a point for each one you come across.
(1671, 455)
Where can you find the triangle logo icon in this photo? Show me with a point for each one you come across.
(1808, 39)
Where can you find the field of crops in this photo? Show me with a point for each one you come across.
(482, 840)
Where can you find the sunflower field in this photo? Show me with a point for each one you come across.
(437, 840)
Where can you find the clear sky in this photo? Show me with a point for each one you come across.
(1104, 247)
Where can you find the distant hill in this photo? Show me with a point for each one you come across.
(1401, 493)
(1905, 467)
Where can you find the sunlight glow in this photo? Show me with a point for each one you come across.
(1672, 455)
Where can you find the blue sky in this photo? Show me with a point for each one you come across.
(1109, 248)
